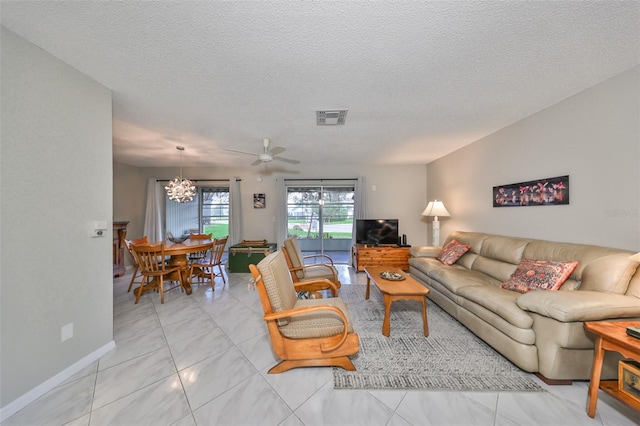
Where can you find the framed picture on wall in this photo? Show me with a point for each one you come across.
(541, 192)
(259, 201)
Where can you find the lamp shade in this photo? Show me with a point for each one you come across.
(635, 257)
(435, 208)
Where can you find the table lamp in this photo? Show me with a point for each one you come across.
(434, 209)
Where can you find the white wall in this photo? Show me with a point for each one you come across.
(400, 193)
(593, 136)
(56, 177)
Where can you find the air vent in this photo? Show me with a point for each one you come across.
(331, 118)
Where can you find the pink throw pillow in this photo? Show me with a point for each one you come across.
(452, 252)
(533, 275)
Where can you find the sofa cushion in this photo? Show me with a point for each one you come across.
(455, 277)
(424, 251)
(426, 264)
(550, 250)
(568, 306)
(451, 252)
(533, 275)
(609, 274)
(634, 285)
(500, 302)
(497, 269)
(473, 239)
(505, 249)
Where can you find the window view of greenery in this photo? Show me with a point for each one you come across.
(207, 213)
(315, 213)
(215, 211)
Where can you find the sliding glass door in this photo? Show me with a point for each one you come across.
(321, 216)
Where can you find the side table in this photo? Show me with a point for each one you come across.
(610, 336)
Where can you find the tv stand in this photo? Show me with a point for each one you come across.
(363, 255)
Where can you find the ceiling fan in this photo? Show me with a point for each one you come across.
(268, 154)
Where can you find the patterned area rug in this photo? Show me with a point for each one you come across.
(452, 358)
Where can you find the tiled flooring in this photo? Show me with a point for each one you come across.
(203, 359)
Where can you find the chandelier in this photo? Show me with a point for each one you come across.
(180, 189)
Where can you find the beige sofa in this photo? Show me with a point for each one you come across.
(539, 331)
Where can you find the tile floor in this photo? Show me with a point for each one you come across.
(203, 359)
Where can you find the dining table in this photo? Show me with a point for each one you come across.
(178, 257)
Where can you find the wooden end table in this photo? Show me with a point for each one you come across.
(610, 336)
(407, 289)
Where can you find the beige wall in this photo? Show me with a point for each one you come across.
(400, 193)
(594, 137)
(56, 181)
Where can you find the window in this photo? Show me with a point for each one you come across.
(214, 213)
(207, 213)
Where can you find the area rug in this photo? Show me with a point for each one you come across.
(451, 359)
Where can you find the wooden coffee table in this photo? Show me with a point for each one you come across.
(407, 289)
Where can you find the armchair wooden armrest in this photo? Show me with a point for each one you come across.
(306, 266)
(308, 309)
(322, 255)
(316, 285)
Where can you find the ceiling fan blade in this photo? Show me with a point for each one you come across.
(240, 152)
(255, 163)
(277, 150)
(286, 160)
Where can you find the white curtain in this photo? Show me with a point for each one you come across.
(281, 211)
(235, 214)
(153, 222)
(359, 204)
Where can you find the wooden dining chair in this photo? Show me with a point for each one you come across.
(206, 268)
(304, 333)
(198, 255)
(134, 262)
(154, 269)
(309, 272)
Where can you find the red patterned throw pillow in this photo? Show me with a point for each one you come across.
(533, 275)
(452, 252)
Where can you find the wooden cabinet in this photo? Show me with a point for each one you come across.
(119, 234)
(363, 256)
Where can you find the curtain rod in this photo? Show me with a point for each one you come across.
(200, 180)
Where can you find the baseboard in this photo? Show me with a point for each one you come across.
(35, 393)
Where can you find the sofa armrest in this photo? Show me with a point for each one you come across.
(571, 306)
(424, 251)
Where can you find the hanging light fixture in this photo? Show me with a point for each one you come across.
(180, 189)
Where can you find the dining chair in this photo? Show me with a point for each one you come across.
(304, 333)
(205, 268)
(154, 269)
(134, 262)
(198, 255)
(301, 271)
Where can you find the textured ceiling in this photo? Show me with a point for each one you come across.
(420, 79)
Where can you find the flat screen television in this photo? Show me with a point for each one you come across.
(377, 231)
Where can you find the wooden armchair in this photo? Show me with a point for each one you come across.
(314, 272)
(304, 333)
